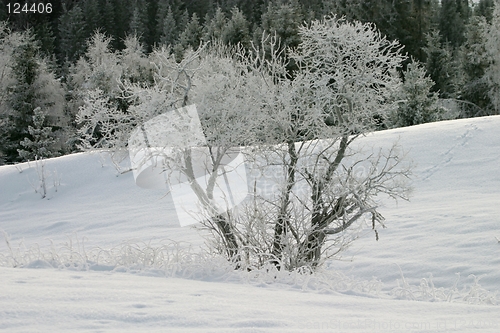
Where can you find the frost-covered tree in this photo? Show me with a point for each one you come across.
(236, 29)
(98, 80)
(135, 66)
(493, 48)
(30, 85)
(283, 20)
(417, 103)
(106, 120)
(441, 66)
(98, 69)
(192, 34)
(42, 141)
(299, 130)
(474, 62)
(167, 28)
(347, 76)
(214, 27)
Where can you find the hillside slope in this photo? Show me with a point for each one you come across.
(447, 230)
(449, 225)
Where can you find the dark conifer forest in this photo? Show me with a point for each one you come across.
(47, 48)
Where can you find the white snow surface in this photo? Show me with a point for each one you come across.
(100, 254)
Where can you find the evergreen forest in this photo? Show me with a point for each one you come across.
(53, 60)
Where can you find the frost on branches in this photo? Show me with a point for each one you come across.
(310, 189)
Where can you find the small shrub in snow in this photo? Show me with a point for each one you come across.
(427, 291)
(44, 179)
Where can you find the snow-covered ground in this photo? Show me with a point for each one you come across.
(103, 255)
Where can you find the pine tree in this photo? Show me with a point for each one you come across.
(192, 34)
(237, 29)
(168, 28)
(214, 27)
(33, 87)
(92, 11)
(42, 139)
(453, 18)
(283, 20)
(418, 104)
(440, 65)
(474, 61)
(493, 71)
(485, 8)
(72, 34)
(109, 23)
(139, 21)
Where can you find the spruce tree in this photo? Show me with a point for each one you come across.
(46, 38)
(41, 140)
(485, 8)
(237, 29)
(72, 34)
(33, 87)
(283, 20)
(454, 16)
(139, 21)
(215, 26)
(109, 23)
(92, 11)
(413, 20)
(22, 98)
(168, 28)
(117, 14)
(161, 13)
(493, 71)
(474, 62)
(418, 104)
(192, 34)
(440, 65)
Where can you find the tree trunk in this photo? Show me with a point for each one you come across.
(280, 228)
(230, 240)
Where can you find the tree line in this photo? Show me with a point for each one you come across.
(49, 61)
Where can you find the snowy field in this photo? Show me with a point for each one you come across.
(100, 254)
